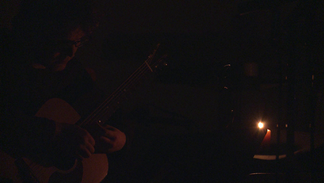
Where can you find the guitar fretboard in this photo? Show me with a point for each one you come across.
(122, 93)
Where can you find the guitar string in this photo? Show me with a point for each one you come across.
(104, 104)
(38, 171)
(104, 111)
(114, 100)
(115, 94)
(104, 107)
(121, 93)
(109, 98)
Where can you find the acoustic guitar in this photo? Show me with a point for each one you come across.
(89, 170)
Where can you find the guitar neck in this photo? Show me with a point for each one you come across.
(122, 93)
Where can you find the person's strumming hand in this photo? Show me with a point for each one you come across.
(74, 141)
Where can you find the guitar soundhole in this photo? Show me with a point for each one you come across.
(71, 177)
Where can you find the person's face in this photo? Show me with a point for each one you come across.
(65, 50)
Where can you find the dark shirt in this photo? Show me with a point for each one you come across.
(24, 90)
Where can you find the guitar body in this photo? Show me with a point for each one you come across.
(89, 170)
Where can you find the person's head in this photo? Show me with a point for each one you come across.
(50, 31)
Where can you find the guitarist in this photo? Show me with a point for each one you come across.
(38, 64)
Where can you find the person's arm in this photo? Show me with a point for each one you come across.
(44, 141)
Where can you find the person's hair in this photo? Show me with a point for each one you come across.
(46, 19)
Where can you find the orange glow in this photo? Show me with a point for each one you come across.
(267, 138)
(260, 125)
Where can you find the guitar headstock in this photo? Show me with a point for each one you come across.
(156, 59)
